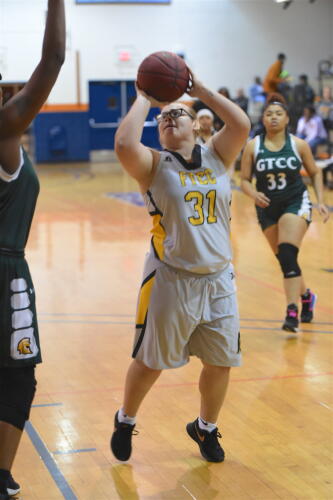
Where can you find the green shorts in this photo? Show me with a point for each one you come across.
(19, 341)
(301, 206)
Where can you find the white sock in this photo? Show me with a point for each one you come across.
(126, 419)
(206, 426)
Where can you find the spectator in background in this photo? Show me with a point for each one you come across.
(205, 118)
(256, 100)
(225, 92)
(218, 123)
(284, 87)
(324, 108)
(303, 95)
(242, 100)
(273, 78)
(198, 105)
(310, 127)
(303, 92)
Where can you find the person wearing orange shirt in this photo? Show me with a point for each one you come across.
(272, 78)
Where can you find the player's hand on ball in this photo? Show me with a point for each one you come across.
(194, 85)
(261, 200)
(323, 211)
(153, 102)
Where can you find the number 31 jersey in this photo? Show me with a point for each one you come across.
(190, 206)
(278, 172)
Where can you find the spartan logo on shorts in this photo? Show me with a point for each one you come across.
(24, 346)
(23, 342)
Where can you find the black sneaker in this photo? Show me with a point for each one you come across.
(121, 440)
(4, 496)
(291, 322)
(208, 443)
(308, 302)
(13, 488)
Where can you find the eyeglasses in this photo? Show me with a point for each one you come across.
(173, 113)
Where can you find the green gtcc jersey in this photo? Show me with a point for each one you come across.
(18, 196)
(278, 172)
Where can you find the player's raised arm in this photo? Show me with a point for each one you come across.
(162, 78)
(18, 113)
(136, 158)
(19, 188)
(229, 141)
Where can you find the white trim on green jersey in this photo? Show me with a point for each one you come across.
(6, 177)
(294, 147)
(256, 147)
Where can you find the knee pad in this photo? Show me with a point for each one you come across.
(287, 256)
(17, 391)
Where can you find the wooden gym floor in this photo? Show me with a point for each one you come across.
(86, 252)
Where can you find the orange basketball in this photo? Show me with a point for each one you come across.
(163, 76)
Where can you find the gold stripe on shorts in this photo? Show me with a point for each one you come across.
(144, 299)
(159, 235)
(143, 303)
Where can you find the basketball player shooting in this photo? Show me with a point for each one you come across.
(187, 301)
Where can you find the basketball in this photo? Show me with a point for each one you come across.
(163, 76)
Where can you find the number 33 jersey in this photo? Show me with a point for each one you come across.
(190, 207)
(278, 172)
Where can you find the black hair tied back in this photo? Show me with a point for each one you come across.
(277, 99)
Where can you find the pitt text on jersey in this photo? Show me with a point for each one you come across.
(203, 177)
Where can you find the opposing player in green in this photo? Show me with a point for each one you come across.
(19, 187)
(282, 201)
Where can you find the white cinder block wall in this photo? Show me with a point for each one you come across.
(226, 42)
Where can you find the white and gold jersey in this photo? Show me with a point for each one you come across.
(190, 206)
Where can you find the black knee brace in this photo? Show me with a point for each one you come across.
(17, 390)
(287, 256)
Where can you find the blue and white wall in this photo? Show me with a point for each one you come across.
(226, 42)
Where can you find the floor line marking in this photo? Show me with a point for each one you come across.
(325, 406)
(68, 452)
(97, 315)
(86, 314)
(84, 322)
(279, 321)
(276, 289)
(301, 330)
(188, 491)
(45, 405)
(52, 467)
(189, 384)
